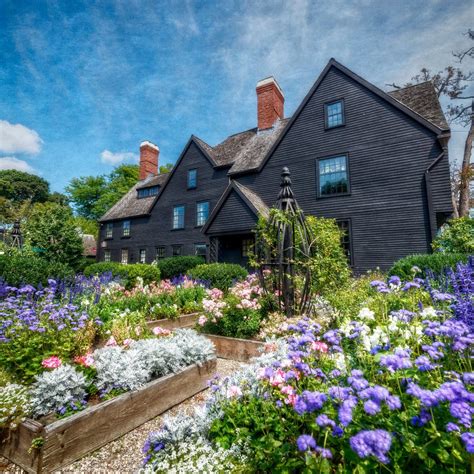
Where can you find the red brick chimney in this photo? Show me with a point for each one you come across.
(148, 160)
(270, 102)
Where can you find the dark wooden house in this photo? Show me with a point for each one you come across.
(376, 162)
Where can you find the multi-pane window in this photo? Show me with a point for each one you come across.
(109, 230)
(177, 250)
(126, 228)
(142, 256)
(333, 176)
(107, 256)
(124, 256)
(334, 113)
(200, 249)
(160, 252)
(202, 213)
(247, 247)
(192, 178)
(178, 217)
(147, 192)
(345, 228)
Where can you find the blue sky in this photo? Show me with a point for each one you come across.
(82, 83)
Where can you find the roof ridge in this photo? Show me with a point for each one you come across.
(411, 85)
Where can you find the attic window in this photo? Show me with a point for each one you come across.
(334, 114)
(192, 179)
(147, 192)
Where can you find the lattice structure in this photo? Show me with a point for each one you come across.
(214, 249)
(285, 257)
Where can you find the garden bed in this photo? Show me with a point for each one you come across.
(184, 321)
(66, 440)
(236, 349)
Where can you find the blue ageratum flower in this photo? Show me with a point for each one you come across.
(375, 443)
(305, 443)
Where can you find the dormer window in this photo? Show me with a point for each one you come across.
(126, 228)
(334, 114)
(147, 192)
(192, 178)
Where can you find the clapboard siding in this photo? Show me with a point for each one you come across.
(234, 215)
(156, 230)
(388, 153)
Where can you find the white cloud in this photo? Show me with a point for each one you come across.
(12, 163)
(16, 138)
(115, 158)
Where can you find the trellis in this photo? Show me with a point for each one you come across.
(285, 257)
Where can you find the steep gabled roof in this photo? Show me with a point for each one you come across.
(129, 205)
(379, 92)
(422, 99)
(253, 201)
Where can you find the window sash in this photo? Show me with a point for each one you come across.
(334, 114)
(109, 231)
(124, 256)
(107, 256)
(177, 249)
(160, 252)
(192, 179)
(202, 213)
(142, 256)
(178, 217)
(333, 176)
(200, 249)
(126, 228)
(147, 192)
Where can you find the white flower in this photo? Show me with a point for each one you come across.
(366, 314)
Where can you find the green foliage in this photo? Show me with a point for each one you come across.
(92, 196)
(18, 186)
(174, 266)
(87, 226)
(456, 236)
(51, 230)
(417, 265)
(328, 263)
(166, 168)
(129, 273)
(219, 275)
(24, 266)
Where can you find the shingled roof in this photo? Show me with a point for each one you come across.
(422, 99)
(129, 205)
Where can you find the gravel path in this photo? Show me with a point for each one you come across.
(124, 455)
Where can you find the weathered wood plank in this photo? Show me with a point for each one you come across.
(71, 438)
(185, 321)
(237, 349)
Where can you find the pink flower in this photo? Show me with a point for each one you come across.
(111, 342)
(319, 346)
(202, 320)
(234, 391)
(159, 331)
(85, 360)
(52, 362)
(287, 390)
(277, 378)
(270, 347)
(127, 342)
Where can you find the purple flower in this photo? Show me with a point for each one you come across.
(468, 378)
(324, 452)
(468, 440)
(450, 427)
(371, 407)
(308, 402)
(424, 364)
(410, 284)
(305, 442)
(421, 419)
(372, 443)
(394, 280)
(324, 420)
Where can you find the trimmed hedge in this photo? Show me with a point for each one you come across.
(20, 268)
(174, 266)
(129, 273)
(219, 275)
(436, 262)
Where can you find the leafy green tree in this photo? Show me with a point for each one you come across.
(92, 196)
(50, 229)
(19, 186)
(87, 226)
(456, 236)
(166, 168)
(59, 198)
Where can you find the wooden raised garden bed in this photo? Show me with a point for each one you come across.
(67, 440)
(236, 349)
(185, 321)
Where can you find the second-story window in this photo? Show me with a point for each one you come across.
(334, 113)
(126, 228)
(109, 230)
(202, 213)
(178, 217)
(333, 177)
(192, 178)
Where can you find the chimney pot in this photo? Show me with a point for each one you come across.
(270, 102)
(149, 153)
